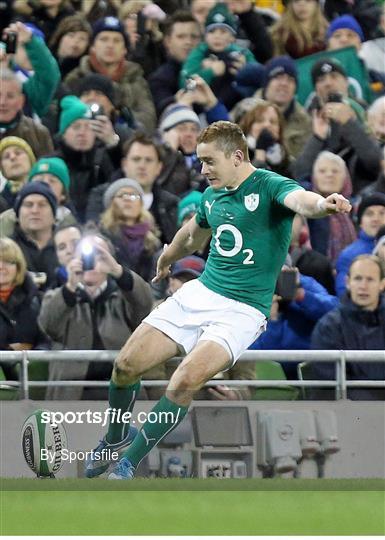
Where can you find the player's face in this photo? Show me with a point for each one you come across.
(218, 169)
(364, 284)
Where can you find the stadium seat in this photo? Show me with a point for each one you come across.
(273, 371)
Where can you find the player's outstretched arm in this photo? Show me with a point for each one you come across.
(187, 240)
(312, 205)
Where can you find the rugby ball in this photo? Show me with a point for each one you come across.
(42, 443)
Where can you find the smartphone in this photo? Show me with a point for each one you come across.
(87, 256)
(96, 110)
(141, 23)
(334, 97)
(191, 85)
(10, 40)
(286, 286)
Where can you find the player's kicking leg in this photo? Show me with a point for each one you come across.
(146, 348)
(203, 362)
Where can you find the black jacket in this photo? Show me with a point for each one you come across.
(38, 260)
(164, 84)
(18, 321)
(87, 170)
(349, 327)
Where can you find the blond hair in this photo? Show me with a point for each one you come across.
(288, 25)
(111, 220)
(10, 252)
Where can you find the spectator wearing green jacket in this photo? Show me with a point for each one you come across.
(34, 65)
(218, 59)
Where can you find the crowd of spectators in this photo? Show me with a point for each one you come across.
(101, 104)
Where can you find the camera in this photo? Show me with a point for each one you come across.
(235, 55)
(10, 41)
(334, 97)
(87, 256)
(191, 85)
(286, 286)
(141, 23)
(315, 104)
(96, 110)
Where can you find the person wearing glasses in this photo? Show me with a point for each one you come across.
(130, 227)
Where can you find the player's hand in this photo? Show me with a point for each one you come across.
(337, 204)
(162, 267)
(223, 393)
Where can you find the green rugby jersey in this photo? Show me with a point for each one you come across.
(251, 231)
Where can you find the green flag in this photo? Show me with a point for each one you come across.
(359, 86)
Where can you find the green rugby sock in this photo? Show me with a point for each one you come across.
(123, 398)
(151, 433)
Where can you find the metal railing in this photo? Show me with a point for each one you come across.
(340, 383)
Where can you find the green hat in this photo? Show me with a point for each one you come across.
(72, 109)
(188, 205)
(220, 16)
(54, 166)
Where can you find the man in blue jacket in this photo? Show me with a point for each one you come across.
(358, 324)
(370, 217)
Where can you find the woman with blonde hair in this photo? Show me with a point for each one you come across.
(263, 126)
(130, 227)
(19, 305)
(301, 30)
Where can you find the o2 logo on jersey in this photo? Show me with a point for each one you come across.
(238, 244)
(252, 202)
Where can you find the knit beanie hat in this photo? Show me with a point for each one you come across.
(174, 115)
(188, 265)
(220, 16)
(188, 205)
(375, 199)
(110, 24)
(278, 66)
(72, 109)
(345, 21)
(21, 143)
(324, 66)
(52, 165)
(38, 188)
(96, 81)
(113, 188)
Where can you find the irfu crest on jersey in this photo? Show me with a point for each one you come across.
(251, 201)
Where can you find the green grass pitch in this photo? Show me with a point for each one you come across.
(192, 507)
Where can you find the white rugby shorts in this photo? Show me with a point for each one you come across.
(195, 313)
